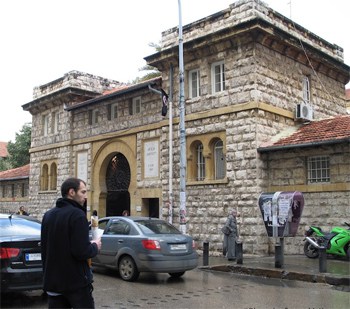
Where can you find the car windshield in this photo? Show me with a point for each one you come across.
(19, 227)
(150, 227)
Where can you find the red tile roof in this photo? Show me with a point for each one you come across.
(326, 131)
(116, 89)
(15, 173)
(3, 150)
(129, 86)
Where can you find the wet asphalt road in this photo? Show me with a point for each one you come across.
(198, 289)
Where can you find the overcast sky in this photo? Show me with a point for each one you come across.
(41, 40)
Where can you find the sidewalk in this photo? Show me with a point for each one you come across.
(295, 267)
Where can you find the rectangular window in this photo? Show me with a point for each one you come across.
(194, 83)
(114, 111)
(135, 106)
(55, 120)
(306, 89)
(95, 115)
(13, 193)
(318, 169)
(218, 76)
(45, 124)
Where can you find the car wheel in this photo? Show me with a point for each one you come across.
(127, 269)
(177, 275)
(310, 251)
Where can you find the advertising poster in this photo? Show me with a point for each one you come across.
(281, 212)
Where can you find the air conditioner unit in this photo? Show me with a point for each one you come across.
(304, 112)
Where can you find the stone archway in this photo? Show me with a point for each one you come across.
(103, 154)
(117, 183)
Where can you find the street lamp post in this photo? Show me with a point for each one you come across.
(182, 131)
(171, 198)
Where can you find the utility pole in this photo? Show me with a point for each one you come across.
(182, 131)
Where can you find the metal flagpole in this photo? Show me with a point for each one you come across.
(182, 131)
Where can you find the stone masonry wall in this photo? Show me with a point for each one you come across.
(41, 201)
(330, 201)
(242, 11)
(76, 79)
(208, 204)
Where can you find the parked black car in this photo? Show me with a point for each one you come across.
(20, 253)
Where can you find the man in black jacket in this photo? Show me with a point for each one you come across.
(65, 249)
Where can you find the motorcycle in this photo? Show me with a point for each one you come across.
(336, 242)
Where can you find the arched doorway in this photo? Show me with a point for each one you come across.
(117, 182)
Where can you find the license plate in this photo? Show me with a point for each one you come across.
(33, 257)
(178, 247)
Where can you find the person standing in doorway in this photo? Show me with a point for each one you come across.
(66, 248)
(230, 235)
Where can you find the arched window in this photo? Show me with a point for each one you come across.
(200, 162)
(53, 176)
(44, 178)
(219, 160)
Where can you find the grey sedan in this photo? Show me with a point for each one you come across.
(142, 244)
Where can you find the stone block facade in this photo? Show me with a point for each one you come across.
(263, 73)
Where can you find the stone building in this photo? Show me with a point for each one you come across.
(14, 188)
(252, 78)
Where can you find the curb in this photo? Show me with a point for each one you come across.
(282, 274)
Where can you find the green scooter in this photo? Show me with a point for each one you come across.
(337, 241)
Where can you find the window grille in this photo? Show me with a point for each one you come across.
(318, 169)
(118, 174)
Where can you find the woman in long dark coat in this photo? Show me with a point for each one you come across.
(229, 246)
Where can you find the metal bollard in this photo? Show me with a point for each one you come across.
(205, 253)
(322, 262)
(279, 257)
(239, 252)
(322, 259)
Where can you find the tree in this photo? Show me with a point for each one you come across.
(4, 164)
(19, 150)
(151, 72)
